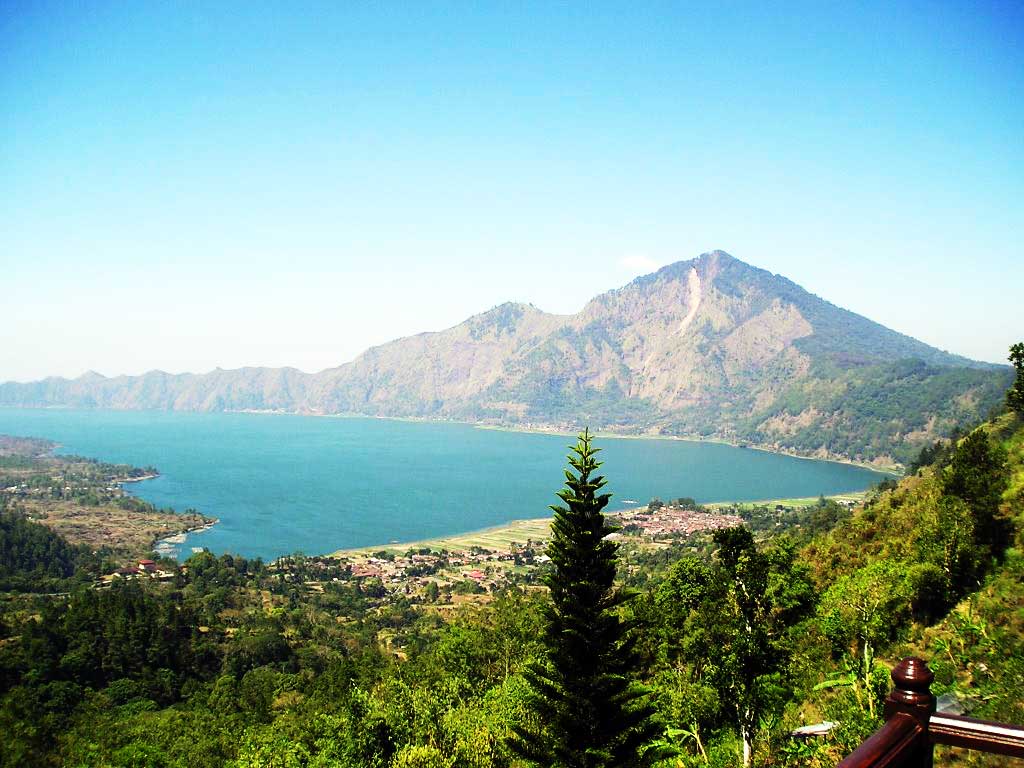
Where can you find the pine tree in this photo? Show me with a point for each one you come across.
(587, 711)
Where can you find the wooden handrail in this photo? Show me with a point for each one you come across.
(983, 735)
(912, 727)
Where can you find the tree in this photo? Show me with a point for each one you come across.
(688, 698)
(730, 621)
(977, 474)
(757, 597)
(950, 542)
(860, 612)
(1015, 394)
(586, 711)
(411, 756)
(432, 592)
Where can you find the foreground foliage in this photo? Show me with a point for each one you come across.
(738, 638)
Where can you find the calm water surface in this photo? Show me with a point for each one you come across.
(281, 484)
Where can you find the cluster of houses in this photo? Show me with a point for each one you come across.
(412, 570)
(488, 569)
(144, 568)
(492, 569)
(673, 520)
(37, 490)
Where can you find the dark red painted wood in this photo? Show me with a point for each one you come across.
(895, 744)
(912, 727)
(983, 735)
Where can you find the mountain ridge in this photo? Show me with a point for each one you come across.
(708, 347)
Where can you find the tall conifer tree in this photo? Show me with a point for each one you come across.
(588, 712)
(1015, 394)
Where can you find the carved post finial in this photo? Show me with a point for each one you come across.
(913, 681)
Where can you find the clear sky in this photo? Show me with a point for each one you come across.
(199, 184)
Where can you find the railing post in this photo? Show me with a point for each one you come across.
(912, 695)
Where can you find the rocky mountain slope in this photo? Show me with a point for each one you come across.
(710, 347)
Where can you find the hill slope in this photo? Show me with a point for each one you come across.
(710, 347)
(936, 565)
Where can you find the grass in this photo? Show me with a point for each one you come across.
(1013, 440)
(497, 538)
(855, 497)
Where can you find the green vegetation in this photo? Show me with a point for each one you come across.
(587, 711)
(874, 411)
(732, 640)
(35, 559)
(729, 622)
(1015, 394)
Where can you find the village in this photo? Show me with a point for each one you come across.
(143, 567)
(456, 568)
(437, 570)
(680, 518)
(434, 571)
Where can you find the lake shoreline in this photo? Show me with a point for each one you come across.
(894, 469)
(889, 469)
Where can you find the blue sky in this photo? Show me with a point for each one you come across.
(188, 185)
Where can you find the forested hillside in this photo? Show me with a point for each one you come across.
(739, 637)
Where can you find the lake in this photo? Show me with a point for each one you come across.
(282, 483)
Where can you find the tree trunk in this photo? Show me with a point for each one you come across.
(869, 658)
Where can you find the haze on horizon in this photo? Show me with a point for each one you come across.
(188, 188)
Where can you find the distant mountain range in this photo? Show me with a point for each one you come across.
(710, 347)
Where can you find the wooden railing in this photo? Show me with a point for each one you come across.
(912, 727)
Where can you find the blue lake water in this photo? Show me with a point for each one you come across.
(282, 484)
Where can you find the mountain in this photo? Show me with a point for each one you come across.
(710, 347)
